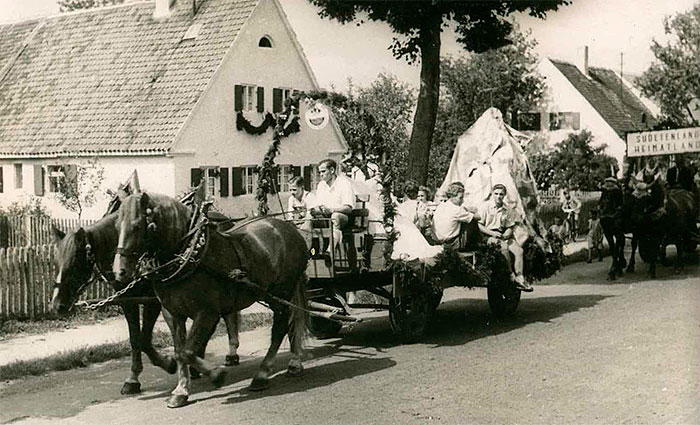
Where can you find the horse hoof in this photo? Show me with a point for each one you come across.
(259, 384)
(171, 367)
(194, 373)
(295, 370)
(217, 377)
(611, 276)
(131, 388)
(232, 360)
(176, 401)
(630, 269)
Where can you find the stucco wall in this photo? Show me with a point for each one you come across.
(210, 138)
(561, 96)
(155, 174)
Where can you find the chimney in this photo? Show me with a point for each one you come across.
(585, 61)
(581, 61)
(164, 8)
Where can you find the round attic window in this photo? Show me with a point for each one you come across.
(265, 42)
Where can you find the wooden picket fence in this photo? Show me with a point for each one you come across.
(31, 230)
(27, 275)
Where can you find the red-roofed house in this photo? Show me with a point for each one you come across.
(591, 98)
(154, 87)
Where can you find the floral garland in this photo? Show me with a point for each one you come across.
(242, 123)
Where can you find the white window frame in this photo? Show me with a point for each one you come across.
(283, 177)
(55, 176)
(249, 97)
(250, 180)
(210, 174)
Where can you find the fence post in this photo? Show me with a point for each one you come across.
(28, 229)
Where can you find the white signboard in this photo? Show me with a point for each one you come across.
(317, 117)
(663, 142)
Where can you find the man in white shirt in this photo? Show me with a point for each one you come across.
(335, 198)
(497, 222)
(298, 208)
(452, 220)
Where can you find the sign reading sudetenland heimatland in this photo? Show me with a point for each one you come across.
(663, 142)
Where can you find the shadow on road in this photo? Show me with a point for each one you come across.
(461, 321)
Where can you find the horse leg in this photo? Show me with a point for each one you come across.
(150, 316)
(201, 351)
(613, 250)
(132, 384)
(203, 327)
(630, 265)
(232, 320)
(280, 326)
(179, 396)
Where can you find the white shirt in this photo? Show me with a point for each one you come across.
(408, 209)
(296, 209)
(447, 219)
(496, 218)
(336, 195)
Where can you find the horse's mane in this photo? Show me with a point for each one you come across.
(103, 237)
(172, 218)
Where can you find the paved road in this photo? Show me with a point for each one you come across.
(579, 351)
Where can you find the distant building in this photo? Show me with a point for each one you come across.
(156, 88)
(581, 97)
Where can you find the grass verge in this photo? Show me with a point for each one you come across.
(85, 356)
(13, 328)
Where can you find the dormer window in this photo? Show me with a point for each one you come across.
(265, 42)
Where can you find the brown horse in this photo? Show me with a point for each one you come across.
(268, 252)
(85, 255)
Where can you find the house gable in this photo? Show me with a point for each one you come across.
(110, 80)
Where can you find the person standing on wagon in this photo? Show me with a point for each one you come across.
(497, 222)
(335, 198)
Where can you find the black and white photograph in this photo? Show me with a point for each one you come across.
(314, 212)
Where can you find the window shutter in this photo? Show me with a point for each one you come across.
(237, 174)
(38, 180)
(223, 182)
(577, 120)
(261, 99)
(296, 171)
(307, 177)
(238, 98)
(2, 181)
(276, 100)
(196, 175)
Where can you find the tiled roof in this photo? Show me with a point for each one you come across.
(111, 80)
(604, 90)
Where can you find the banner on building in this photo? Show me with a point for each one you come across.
(663, 142)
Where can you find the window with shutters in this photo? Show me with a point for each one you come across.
(56, 175)
(564, 121)
(250, 97)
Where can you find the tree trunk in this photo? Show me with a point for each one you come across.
(428, 96)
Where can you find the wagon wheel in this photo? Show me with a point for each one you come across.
(409, 314)
(504, 298)
(324, 328)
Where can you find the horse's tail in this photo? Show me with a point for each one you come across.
(299, 317)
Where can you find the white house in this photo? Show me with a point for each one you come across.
(581, 97)
(157, 88)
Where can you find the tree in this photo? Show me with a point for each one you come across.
(79, 187)
(479, 25)
(375, 122)
(71, 5)
(505, 78)
(574, 163)
(673, 79)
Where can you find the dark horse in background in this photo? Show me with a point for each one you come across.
(663, 217)
(267, 252)
(612, 220)
(85, 255)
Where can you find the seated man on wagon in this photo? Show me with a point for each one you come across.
(498, 222)
(335, 198)
(298, 208)
(455, 224)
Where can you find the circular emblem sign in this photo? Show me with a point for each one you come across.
(317, 117)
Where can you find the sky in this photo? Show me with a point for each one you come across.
(337, 52)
